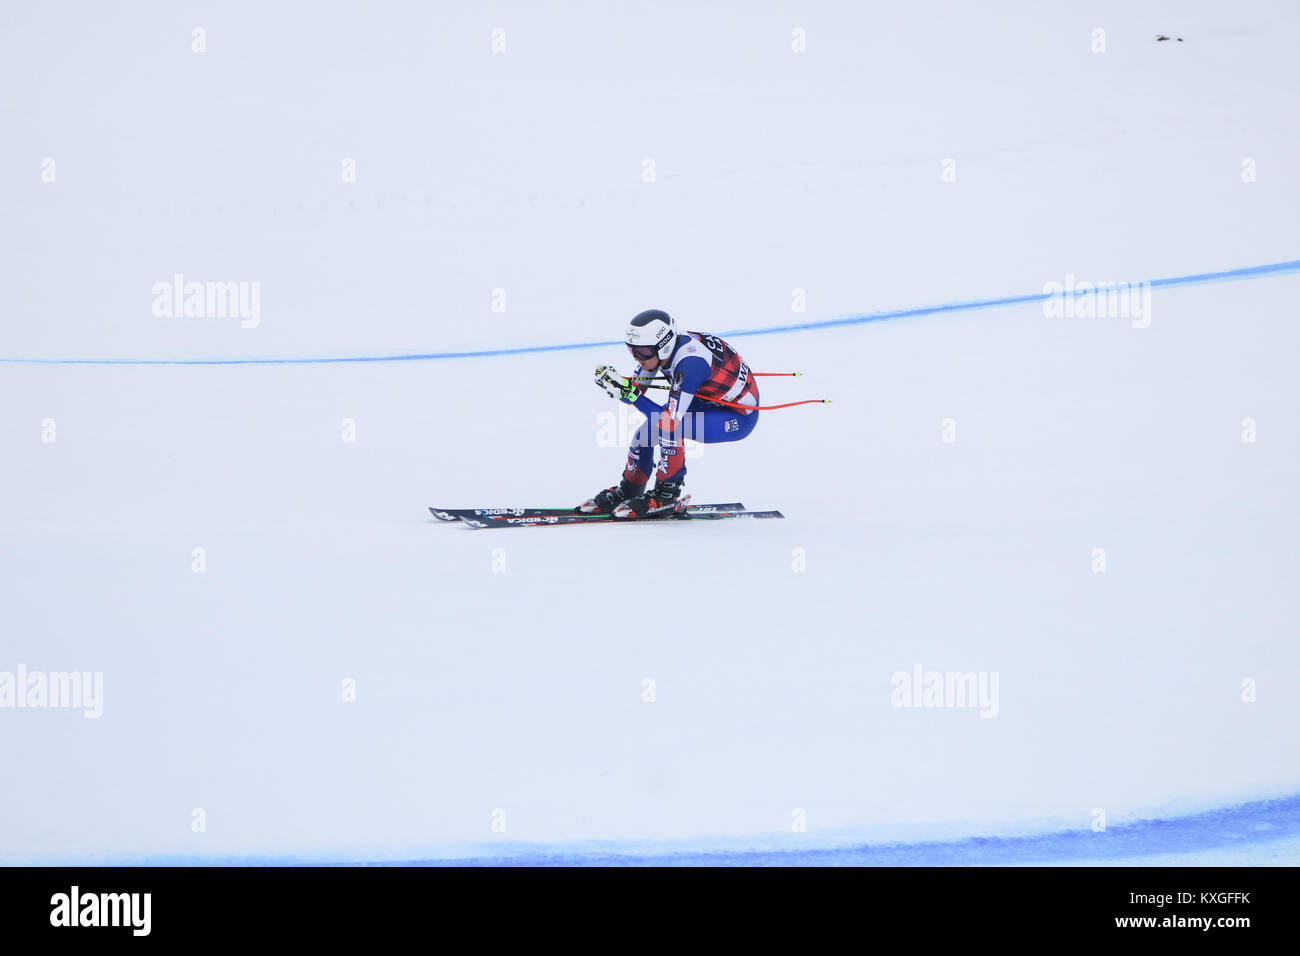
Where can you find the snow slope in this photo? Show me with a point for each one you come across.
(503, 670)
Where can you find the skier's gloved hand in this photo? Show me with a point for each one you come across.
(615, 385)
(640, 380)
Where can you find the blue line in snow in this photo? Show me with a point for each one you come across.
(1228, 275)
(1224, 828)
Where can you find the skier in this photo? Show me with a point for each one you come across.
(702, 369)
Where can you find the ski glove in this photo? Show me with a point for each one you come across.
(615, 385)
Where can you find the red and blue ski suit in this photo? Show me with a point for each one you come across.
(702, 367)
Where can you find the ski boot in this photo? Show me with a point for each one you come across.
(665, 501)
(604, 502)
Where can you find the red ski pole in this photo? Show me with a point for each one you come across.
(767, 408)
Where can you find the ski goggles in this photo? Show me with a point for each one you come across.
(643, 351)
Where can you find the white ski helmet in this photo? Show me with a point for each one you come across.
(651, 333)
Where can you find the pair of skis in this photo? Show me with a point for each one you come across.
(541, 517)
